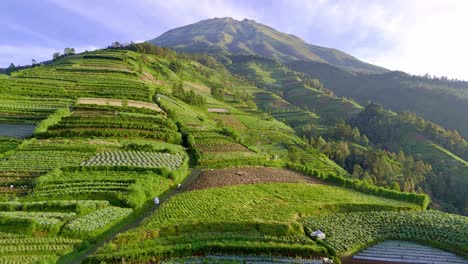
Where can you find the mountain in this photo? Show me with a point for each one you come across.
(438, 100)
(230, 36)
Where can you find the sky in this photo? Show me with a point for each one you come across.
(415, 36)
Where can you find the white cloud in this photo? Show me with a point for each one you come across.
(420, 36)
(429, 37)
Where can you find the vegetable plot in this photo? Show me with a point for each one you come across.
(348, 232)
(95, 223)
(135, 159)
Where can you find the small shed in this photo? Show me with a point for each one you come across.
(318, 234)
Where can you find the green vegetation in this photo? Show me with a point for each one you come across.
(227, 219)
(424, 140)
(118, 127)
(423, 94)
(349, 232)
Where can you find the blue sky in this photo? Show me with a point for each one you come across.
(419, 36)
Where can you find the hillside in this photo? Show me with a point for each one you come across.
(356, 145)
(439, 100)
(229, 36)
(228, 158)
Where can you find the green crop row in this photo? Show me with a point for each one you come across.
(349, 232)
(93, 224)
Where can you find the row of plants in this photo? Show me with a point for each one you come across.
(79, 207)
(349, 232)
(135, 158)
(41, 161)
(95, 223)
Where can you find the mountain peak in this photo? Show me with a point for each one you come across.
(227, 35)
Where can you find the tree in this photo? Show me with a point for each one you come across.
(56, 55)
(33, 62)
(69, 51)
(294, 155)
(12, 66)
(175, 66)
(116, 45)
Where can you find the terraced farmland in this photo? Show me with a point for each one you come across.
(200, 217)
(136, 159)
(95, 121)
(16, 248)
(348, 232)
(112, 136)
(248, 175)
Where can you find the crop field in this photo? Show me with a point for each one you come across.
(112, 122)
(268, 210)
(247, 175)
(16, 248)
(118, 102)
(7, 143)
(95, 223)
(40, 160)
(348, 232)
(136, 159)
(29, 109)
(129, 188)
(217, 110)
(88, 75)
(220, 146)
(273, 202)
(228, 120)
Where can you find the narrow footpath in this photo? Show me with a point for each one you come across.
(140, 219)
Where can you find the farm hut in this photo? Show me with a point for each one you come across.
(318, 234)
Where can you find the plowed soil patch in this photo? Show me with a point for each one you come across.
(251, 175)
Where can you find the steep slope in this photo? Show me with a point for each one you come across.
(439, 100)
(426, 141)
(226, 35)
(315, 112)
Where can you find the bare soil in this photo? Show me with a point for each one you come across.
(248, 175)
(218, 110)
(228, 120)
(118, 102)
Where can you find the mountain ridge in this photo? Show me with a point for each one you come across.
(230, 36)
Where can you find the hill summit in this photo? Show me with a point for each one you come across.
(230, 36)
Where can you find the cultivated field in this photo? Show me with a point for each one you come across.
(248, 175)
(348, 232)
(119, 102)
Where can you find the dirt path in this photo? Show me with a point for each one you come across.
(140, 219)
